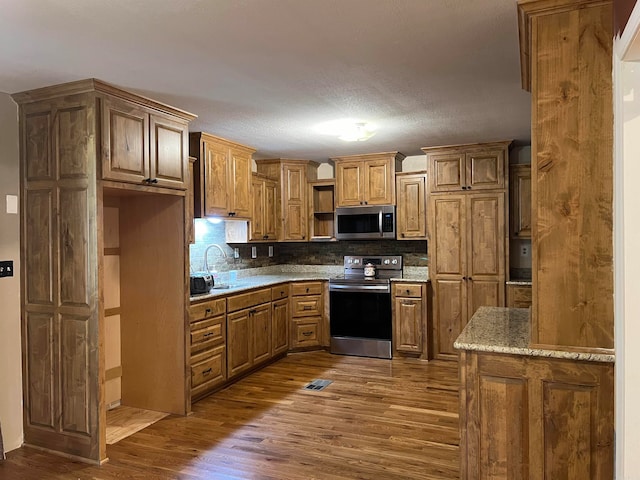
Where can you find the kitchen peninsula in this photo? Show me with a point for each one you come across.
(537, 385)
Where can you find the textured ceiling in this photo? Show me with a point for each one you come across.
(265, 72)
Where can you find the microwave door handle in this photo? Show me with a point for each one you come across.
(380, 223)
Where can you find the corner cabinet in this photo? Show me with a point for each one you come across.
(411, 212)
(367, 179)
(468, 244)
(292, 176)
(265, 200)
(222, 181)
(72, 159)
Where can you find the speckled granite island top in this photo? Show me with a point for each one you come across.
(507, 330)
(265, 277)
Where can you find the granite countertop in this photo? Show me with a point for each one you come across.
(264, 277)
(520, 282)
(507, 330)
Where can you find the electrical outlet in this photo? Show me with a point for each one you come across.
(254, 252)
(524, 251)
(236, 252)
(271, 250)
(6, 268)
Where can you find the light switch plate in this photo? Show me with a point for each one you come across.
(12, 204)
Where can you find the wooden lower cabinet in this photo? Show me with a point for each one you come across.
(307, 310)
(279, 319)
(410, 319)
(260, 332)
(519, 296)
(208, 346)
(535, 417)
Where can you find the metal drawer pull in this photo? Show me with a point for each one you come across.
(306, 307)
(208, 334)
(207, 371)
(306, 334)
(208, 310)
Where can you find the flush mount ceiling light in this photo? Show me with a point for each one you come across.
(348, 129)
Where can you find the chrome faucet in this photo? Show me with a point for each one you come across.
(206, 254)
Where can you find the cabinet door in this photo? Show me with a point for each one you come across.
(485, 235)
(519, 296)
(411, 211)
(520, 203)
(295, 205)
(449, 315)
(125, 142)
(257, 211)
(448, 235)
(260, 318)
(279, 326)
(216, 172)
(485, 170)
(349, 183)
(168, 156)
(446, 172)
(240, 183)
(238, 343)
(271, 217)
(379, 184)
(407, 333)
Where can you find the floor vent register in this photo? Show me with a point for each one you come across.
(318, 385)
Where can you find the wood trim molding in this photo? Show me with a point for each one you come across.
(115, 372)
(95, 85)
(114, 251)
(110, 312)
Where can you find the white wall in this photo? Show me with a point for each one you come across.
(626, 82)
(10, 354)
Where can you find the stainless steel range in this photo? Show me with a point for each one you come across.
(360, 306)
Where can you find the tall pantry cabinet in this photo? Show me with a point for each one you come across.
(468, 241)
(84, 144)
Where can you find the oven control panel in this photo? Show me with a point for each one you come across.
(381, 262)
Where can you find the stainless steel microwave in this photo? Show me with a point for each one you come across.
(366, 223)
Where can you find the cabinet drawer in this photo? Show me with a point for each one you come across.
(402, 289)
(207, 333)
(519, 296)
(306, 332)
(280, 291)
(307, 306)
(306, 288)
(209, 368)
(246, 300)
(211, 308)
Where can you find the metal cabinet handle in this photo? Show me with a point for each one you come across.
(208, 310)
(207, 371)
(306, 307)
(208, 334)
(307, 334)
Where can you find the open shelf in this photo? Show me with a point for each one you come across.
(322, 210)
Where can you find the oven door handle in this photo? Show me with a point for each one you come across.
(360, 288)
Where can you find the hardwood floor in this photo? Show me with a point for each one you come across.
(379, 419)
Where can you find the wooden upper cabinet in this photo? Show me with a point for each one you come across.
(467, 167)
(142, 146)
(222, 176)
(264, 216)
(367, 179)
(293, 177)
(411, 206)
(520, 201)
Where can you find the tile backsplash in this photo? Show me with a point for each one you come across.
(414, 252)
